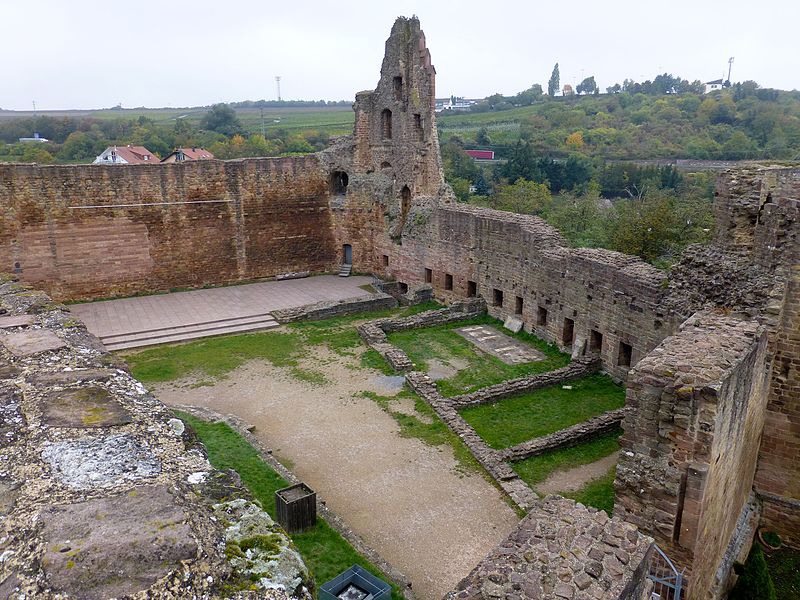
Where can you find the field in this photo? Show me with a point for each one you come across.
(334, 120)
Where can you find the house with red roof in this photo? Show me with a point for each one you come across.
(184, 154)
(126, 155)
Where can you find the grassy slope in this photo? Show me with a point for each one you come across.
(521, 418)
(442, 343)
(325, 551)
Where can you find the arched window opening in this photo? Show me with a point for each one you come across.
(339, 181)
(405, 201)
(398, 88)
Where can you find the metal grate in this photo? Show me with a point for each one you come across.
(667, 582)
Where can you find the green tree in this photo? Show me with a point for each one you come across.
(222, 119)
(754, 582)
(527, 197)
(587, 86)
(460, 187)
(554, 82)
(482, 137)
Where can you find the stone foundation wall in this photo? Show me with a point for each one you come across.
(691, 440)
(567, 551)
(93, 231)
(328, 309)
(103, 493)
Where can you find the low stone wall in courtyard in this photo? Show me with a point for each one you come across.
(335, 308)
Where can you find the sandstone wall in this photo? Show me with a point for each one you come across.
(691, 442)
(99, 231)
(456, 246)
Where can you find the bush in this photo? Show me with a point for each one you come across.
(754, 582)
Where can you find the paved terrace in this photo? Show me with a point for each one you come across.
(164, 318)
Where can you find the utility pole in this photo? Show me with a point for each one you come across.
(278, 85)
(730, 64)
(262, 123)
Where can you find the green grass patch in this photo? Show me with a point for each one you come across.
(325, 551)
(429, 428)
(598, 492)
(784, 568)
(444, 344)
(540, 412)
(536, 469)
(371, 359)
(218, 356)
(214, 357)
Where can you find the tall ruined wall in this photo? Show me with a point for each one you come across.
(93, 231)
(691, 443)
(463, 250)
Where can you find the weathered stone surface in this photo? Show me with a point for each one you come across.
(498, 344)
(18, 321)
(513, 324)
(11, 418)
(537, 559)
(110, 547)
(84, 407)
(100, 461)
(28, 343)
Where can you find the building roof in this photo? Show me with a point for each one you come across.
(715, 82)
(133, 155)
(188, 154)
(481, 154)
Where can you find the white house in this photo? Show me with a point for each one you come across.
(126, 155)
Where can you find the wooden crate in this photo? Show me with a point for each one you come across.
(296, 507)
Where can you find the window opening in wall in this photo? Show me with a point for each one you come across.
(385, 260)
(568, 335)
(625, 353)
(403, 287)
(518, 305)
(472, 289)
(541, 316)
(339, 180)
(405, 201)
(497, 297)
(595, 341)
(418, 127)
(448, 281)
(398, 88)
(386, 124)
(428, 275)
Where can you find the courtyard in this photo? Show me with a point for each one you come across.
(335, 414)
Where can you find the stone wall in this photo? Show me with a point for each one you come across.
(563, 550)
(464, 250)
(103, 493)
(691, 440)
(98, 231)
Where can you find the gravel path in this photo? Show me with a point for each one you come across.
(571, 480)
(406, 499)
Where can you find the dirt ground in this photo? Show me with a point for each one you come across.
(571, 480)
(406, 499)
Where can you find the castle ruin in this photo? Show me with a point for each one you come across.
(710, 353)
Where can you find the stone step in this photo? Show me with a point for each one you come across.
(182, 336)
(190, 327)
(344, 270)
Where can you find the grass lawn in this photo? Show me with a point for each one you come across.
(784, 568)
(598, 493)
(443, 343)
(537, 468)
(540, 412)
(325, 551)
(215, 357)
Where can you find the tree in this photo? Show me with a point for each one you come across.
(614, 89)
(554, 82)
(574, 141)
(222, 119)
(587, 86)
(754, 582)
(482, 137)
(527, 197)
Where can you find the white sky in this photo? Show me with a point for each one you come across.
(81, 54)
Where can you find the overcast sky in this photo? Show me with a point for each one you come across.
(81, 54)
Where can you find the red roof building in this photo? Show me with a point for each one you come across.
(183, 154)
(126, 155)
(481, 154)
